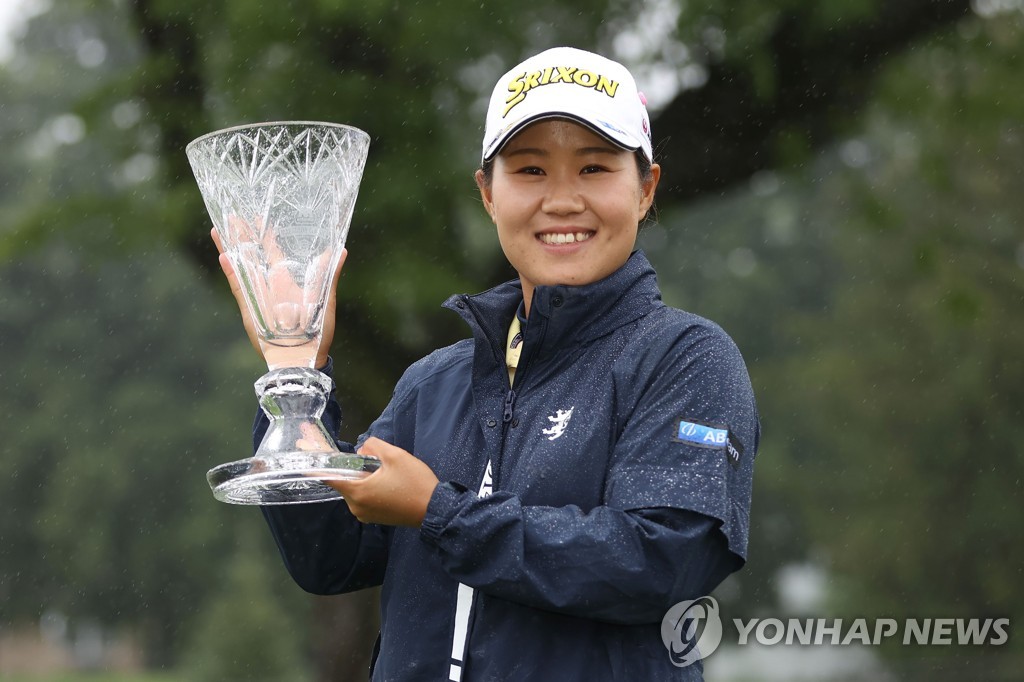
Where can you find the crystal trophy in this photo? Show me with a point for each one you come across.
(281, 197)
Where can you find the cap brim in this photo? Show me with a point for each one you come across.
(618, 137)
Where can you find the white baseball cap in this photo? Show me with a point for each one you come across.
(564, 82)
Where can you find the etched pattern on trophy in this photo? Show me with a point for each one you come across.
(281, 197)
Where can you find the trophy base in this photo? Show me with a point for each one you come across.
(287, 478)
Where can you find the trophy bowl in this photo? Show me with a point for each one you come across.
(281, 196)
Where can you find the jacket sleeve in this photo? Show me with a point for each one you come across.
(606, 564)
(668, 529)
(325, 548)
(674, 520)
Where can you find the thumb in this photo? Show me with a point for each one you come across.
(382, 450)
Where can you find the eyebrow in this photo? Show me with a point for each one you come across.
(582, 151)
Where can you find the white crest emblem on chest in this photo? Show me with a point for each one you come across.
(558, 423)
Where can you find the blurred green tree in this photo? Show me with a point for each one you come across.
(113, 407)
(247, 632)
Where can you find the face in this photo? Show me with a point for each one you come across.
(567, 204)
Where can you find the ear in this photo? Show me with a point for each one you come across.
(647, 190)
(485, 193)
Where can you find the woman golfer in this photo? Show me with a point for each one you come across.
(553, 485)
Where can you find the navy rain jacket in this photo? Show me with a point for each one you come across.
(596, 522)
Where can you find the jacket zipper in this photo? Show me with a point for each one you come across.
(510, 403)
(508, 412)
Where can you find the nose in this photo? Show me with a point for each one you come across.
(563, 198)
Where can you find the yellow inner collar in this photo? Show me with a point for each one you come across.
(513, 347)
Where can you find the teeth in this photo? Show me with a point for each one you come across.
(565, 238)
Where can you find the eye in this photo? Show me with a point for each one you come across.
(530, 170)
(592, 168)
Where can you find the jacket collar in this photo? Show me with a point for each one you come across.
(564, 316)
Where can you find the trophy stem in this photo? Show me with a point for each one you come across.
(297, 454)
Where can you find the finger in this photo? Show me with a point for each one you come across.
(344, 487)
(216, 240)
(341, 264)
(332, 297)
(236, 291)
(312, 438)
(222, 258)
(226, 268)
(236, 286)
(375, 447)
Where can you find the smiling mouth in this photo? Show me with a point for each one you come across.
(556, 238)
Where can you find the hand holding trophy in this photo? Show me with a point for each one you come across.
(281, 197)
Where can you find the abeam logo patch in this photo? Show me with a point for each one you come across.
(734, 450)
(709, 436)
(703, 435)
